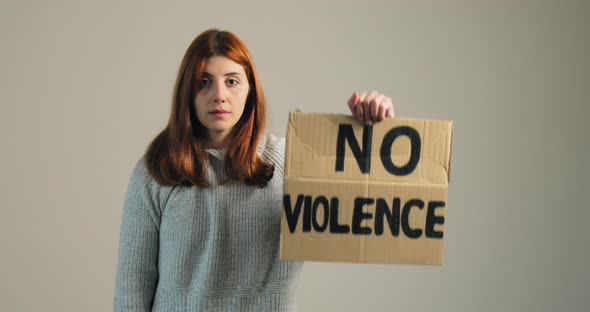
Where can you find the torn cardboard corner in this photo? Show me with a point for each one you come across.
(369, 194)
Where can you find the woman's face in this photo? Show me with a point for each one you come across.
(221, 97)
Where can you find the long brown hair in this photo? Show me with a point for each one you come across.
(177, 156)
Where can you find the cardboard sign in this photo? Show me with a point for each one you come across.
(358, 193)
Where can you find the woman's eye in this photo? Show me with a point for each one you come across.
(204, 82)
(232, 82)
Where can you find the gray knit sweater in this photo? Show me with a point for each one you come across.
(214, 249)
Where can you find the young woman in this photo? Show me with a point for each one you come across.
(201, 218)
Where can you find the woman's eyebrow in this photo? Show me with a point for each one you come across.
(232, 74)
(228, 74)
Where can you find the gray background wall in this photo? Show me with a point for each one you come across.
(86, 85)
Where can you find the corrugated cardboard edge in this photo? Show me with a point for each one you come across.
(450, 151)
(286, 168)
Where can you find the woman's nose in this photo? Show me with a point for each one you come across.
(219, 96)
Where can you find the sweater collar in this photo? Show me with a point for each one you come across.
(220, 153)
(217, 153)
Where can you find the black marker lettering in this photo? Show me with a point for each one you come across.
(358, 215)
(392, 217)
(323, 201)
(291, 213)
(334, 226)
(307, 214)
(411, 233)
(388, 140)
(432, 219)
(362, 156)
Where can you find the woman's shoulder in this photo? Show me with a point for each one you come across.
(142, 186)
(142, 178)
(140, 172)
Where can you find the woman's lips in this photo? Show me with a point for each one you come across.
(218, 113)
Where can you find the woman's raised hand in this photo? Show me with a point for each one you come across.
(370, 107)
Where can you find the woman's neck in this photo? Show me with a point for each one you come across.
(219, 140)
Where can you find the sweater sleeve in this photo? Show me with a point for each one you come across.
(275, 152)
(137, 265)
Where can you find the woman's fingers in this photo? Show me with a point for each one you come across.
(370, 107)
(352, 102)
(360, 113)
(381, 113)
(389, 108)
(360, 109)
(375, 105)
